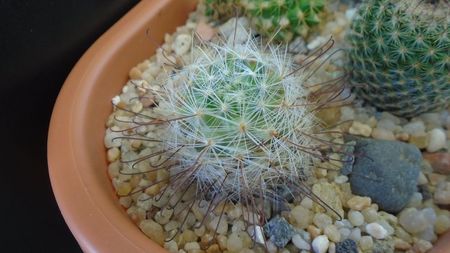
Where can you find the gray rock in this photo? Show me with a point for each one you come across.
(279, 231)
(346, 246)
(385, 171)
(383, 246)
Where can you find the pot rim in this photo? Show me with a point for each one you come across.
(98, 224)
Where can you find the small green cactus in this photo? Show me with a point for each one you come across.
(286, 18)
(400, 55)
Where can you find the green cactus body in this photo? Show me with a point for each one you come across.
(400, 55)
(285, 18)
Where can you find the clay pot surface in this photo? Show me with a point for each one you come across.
(76, 154)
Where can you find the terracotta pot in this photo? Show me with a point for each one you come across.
(76, 155)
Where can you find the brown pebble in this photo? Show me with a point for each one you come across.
(205, 31)
(439, 161)
(313, 231)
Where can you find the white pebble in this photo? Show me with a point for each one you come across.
(437, 140)
(355, 235)
(182, 44)
(116, 100)
(300, 243)
(345, 233)
(316, 42)
(341, 179)
(376, 230)
(356, 218)
(320, 244)
(414, 127)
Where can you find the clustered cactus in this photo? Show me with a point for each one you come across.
(400, 55)
(283, 18)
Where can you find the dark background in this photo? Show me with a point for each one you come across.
(40, 41)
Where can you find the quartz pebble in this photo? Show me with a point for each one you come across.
(376, 230)
(356, 218)
(437, 140)
(300, 243)
(320, 244)
(332, 233)
(301, 216)
(322, 220)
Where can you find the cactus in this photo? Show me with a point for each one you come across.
(238, 124)
(286, 18)
(400, 55)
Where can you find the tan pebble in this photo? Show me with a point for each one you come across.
(215, 248)
(322, 220)
(124, 189)
(359, 203)
(205, 31)
(234, 242)
(402, 136)
(189, 236)
(313, 231)
(422, 246)
(113, 154)
(442, 193)
(383, 134)
(372, 122)
(222, 241)
(330, 116)
(218, 224)
(143, 65)
(366, 242)
(199, 231)
(442, 224)
(135, 73)
(301, 216)
(440, 162)
(171, 246)
(191, 246)
(402, 234)
(333, 233)
(400, 244)
(153, 230)
(153, 190)
(436, 178)
(359, 128)
(420, 140)
(206, 240)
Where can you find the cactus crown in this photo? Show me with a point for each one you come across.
(400, 51)
(285, 18)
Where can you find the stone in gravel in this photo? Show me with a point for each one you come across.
(182, 44)
(442, 193)
(300, 243)
(327, 193)
(413, 220)
(386, 171)
(383, 246)
(205, 31)
(366, 242)
(356, 218)
(437, 140)
(301, 217)
(359, 203)
(376, 230)
(320, 244)
(346, 246)
(279, 231)
(383, 134)
(440, 162)
(359, 128)
(414, 127)
(420, 140)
